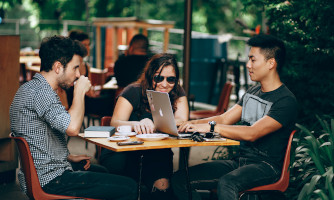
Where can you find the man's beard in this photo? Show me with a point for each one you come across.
(64, 86)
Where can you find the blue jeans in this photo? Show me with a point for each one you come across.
(229, 177)
(93, 185)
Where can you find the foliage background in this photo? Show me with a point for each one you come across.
(305, 25)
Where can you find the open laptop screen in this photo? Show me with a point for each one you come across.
(162, 112)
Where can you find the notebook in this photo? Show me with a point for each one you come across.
(162, 113)
(99, 131)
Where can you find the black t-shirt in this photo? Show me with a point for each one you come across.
(133, 94)
(280, 105)
(128, 68)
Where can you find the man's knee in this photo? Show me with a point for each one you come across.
(226, 183)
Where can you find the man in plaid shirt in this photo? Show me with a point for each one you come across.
(37, 115)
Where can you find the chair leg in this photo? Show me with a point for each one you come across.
(140, 174)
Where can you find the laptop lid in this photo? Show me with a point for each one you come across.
(162, 112)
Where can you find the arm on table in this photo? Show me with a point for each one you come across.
(224, 125)
(121, 116)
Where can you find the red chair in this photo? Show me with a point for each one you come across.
(282, 184)
(97, 79)
(34, 189)
(222, 106)
(105, 121)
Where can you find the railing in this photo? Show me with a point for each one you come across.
(31, 36)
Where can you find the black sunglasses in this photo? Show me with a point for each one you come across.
(170, 79)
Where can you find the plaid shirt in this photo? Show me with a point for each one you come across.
(37, 115)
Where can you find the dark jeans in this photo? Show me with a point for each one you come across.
(156, 164)
(93, 185)
(229, 177)
(79, 166)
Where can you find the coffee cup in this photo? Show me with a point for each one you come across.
(124, 129)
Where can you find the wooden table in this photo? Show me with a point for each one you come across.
(29, 64)
(30, 59)
(161, 144)
(110, 85)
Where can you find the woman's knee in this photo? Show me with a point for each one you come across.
(161, 184)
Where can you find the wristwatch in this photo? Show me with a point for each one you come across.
(212, 126)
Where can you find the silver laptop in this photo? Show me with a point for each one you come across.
(162, 113)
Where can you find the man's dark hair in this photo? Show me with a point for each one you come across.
(55, 48)
(78, 35)
(80, 49)
(139, 41)
(270, 47)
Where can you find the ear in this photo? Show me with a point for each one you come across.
(272, 63)
(57, 67)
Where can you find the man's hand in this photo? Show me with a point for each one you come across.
(79, 158)
(189, 127)
(82, 84)
(183, 126)
(144, 126)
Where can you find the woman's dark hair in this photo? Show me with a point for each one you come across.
(56, 48)
(146, 80)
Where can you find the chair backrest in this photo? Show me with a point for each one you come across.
(224, 98)
(105, 121)
(27, 166)
(283, 183)
(34, 189)
(97, 78)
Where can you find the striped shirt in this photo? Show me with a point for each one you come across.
(37, 115)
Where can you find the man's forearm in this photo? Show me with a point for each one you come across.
(77, 112)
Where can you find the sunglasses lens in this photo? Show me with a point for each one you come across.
(158, 79)
(171, 79)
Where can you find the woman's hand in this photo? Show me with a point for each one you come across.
(78, 158)
(144, 126)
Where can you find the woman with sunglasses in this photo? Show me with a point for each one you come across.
(132, 108)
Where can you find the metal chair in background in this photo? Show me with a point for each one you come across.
(222, 106)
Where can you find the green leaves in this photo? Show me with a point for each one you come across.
(313, 164)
